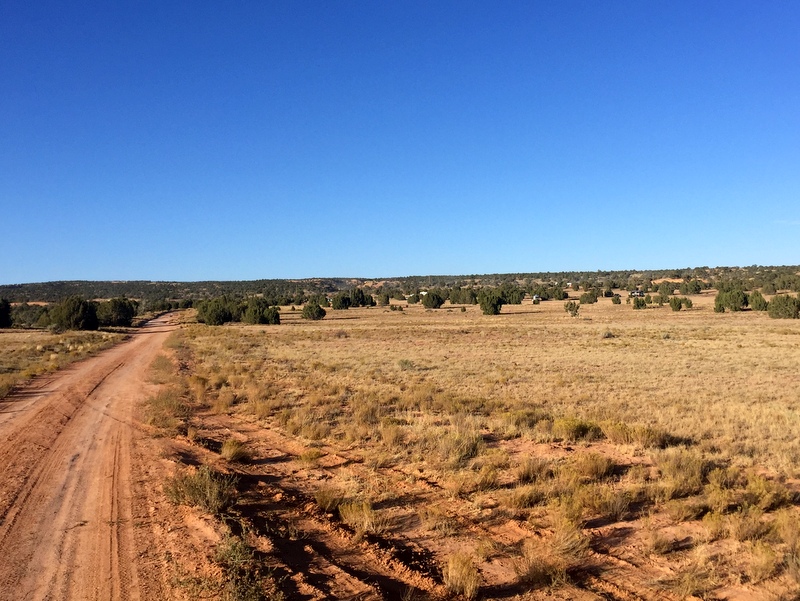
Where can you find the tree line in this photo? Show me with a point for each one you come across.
(72, 313)
(770, 279)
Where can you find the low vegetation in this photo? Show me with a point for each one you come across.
(28, 353)
(536, 420)
(531, 451)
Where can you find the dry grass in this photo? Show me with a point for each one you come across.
(204, 488)
(329, 497)
(235, 450)
(25, 354)
(545, 562)
(532, 418)
(362, 518)
(168, 410)
(461, 576)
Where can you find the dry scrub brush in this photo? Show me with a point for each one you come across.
(204, 488)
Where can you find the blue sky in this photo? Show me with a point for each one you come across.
(244, 140)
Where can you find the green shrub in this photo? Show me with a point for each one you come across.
(732, 300)
(74, 313)
(359, 298)
(757, 301)
(433, 299)
(491, 300)
(258, 311)
(616, 299)
(572, 429)
(588, 298)
(340, 301)
(117, 312)
(675, 303)
(5, 313)
(217, 311)
(666, 289)
(313, 311)
(639, 303)
(572, 308)
(784, 306)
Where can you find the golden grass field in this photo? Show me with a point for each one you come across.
(619, 454)
(28, 353)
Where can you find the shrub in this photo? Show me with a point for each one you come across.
(432, 300)
(593, 466)
(5, 313)
(757, 301)
(341, 301)
(682, 472)
(217, 311)
(359, 298)
(747, 524)
(548, 563)
(784, 306)
(666, 289)
(258, 311)
(732, 300)
(313, 311)
(74, 313)
(572, 308)
(243, 581)
(639, 303)
(616, 299)
(588, 298)
(463, 296)
(204, 488)
(573, 429)
(511, 293)
(491, 300)
(675, 303)
(29, 316)
(117, 312)
(167, 409)
(532, 469)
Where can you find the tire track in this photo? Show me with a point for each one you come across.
(66, 525)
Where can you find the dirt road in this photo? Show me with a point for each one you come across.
(68, 485)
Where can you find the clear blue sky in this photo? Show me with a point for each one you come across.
(245, 140)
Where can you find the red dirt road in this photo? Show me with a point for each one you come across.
(70, 479)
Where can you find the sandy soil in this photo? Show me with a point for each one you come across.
(73, 505)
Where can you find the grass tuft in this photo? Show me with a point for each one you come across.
(203, 488)
(235, 450)
(461, 576)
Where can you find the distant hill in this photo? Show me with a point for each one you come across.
(286, 291)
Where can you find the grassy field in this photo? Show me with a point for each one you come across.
(531, 450)
(28, 353)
